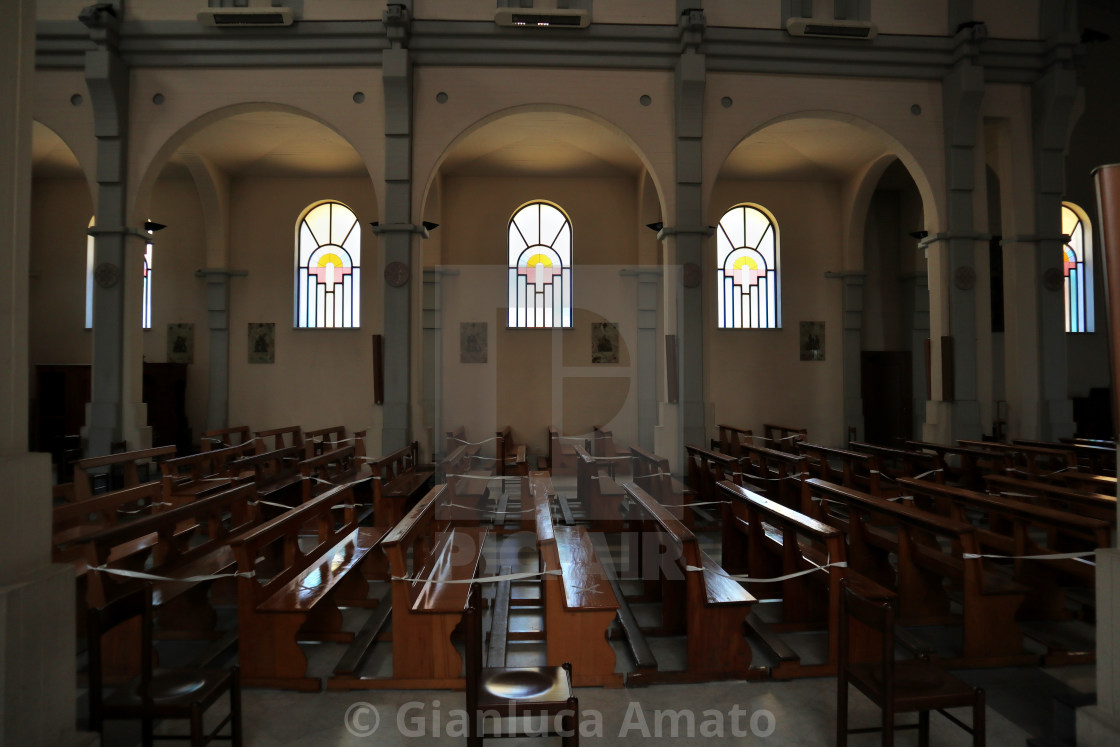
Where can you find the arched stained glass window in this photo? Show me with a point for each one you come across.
(747, 255)
(147, 282)
(147, 313)
(540, 267)
(1077, 267)
(328, 259)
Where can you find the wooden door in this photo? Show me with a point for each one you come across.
(887, 384)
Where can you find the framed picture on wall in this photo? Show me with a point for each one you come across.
(472, 342)
(812, 341)
(604, 342)
(180, 343)
(262, 342)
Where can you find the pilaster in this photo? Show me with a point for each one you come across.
(116, 410)
(954, 411)
(396, 229)
(852, 350)
(37, 654)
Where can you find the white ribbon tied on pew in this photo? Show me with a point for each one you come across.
(778, 579)
(154, 577)
(1051, 556)
(473, 443)
(480, 579)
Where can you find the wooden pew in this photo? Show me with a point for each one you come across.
(783, 437)
(1093, 505)
(732, 439)
(1097, 458)
(1085, 482)
(705, 469)
(184, 542)
(275, 473)
(651, 473)
(223, 437)
(600, 495)
(468, 481)
(299, 592)
(963, 466)
(511, 455)
(931, 553)
(124, 470)
(579, 604)
(1016, 528)
(281, 437)
(561, 453)
(857, 470)
(698, 600)
(73, 524)
(334, 467)
(896, 463)
(333, 437)
(602, 443)
(765, 539)
(778, 475)
(399, 481)
(188, 477)
(426, 610)
(1029, 460)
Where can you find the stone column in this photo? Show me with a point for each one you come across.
(396, 228)
(37, 655)
(952, 253)
(116, 412)
(685, 248)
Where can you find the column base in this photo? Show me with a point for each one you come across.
(37, 636)
(1097, 727)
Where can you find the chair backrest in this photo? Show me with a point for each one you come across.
(878, 615)
(472, 631)
(100, 621)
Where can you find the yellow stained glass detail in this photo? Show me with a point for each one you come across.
(330, 259)
(748, 261)
(539, 259)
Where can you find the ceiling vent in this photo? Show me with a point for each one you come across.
(258, 14)
(831, 29)
(543, 14)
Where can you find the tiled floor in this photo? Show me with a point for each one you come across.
(799, 712)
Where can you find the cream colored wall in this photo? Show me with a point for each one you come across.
(193, 98)
(536, 378)
(476, 96)
(177, 295)
(923, 18)
(756, 376)
(60, 213)
(881, 106)
(320, 377)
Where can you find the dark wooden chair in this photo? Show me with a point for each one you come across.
(499, 693)
(157, 693)
(895, 686)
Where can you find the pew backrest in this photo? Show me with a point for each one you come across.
(222, 437)
(127, 466)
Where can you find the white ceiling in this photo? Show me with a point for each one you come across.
(538, 143)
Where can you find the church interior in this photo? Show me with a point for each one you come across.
(368, 353)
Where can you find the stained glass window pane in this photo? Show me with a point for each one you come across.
(1077, 269)
(89, 278)
(747, 268)
(328, 258)
(540, 274)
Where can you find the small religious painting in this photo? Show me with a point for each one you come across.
(472, 342)
(262, 342)
(180, 343)
(812, 341)
(604, 342)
